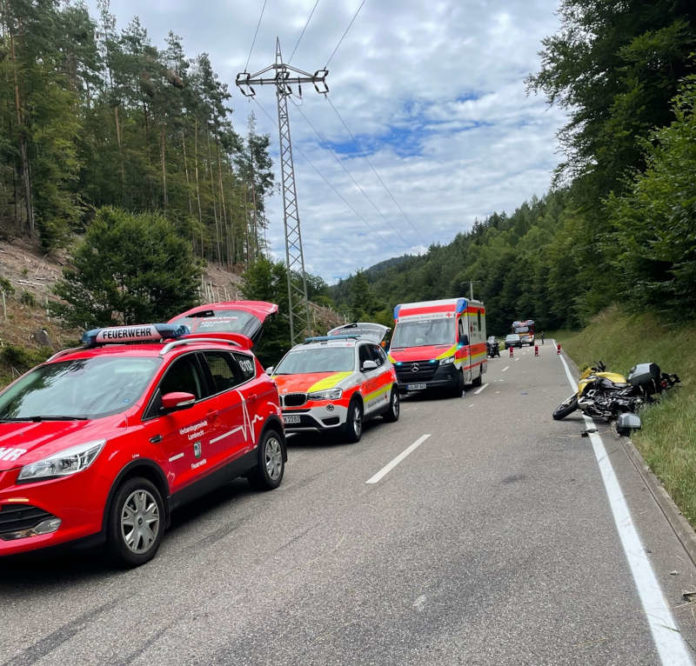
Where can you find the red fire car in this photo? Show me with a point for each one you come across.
(102, 442)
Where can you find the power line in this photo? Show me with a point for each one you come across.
(340, 41)
(299, 39)
(374, 170)
(349, 174)
(258, 25)
(328, 183)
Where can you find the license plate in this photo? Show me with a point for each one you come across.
(291, 418)
(415, 387)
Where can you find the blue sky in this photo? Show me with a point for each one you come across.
(441, 131)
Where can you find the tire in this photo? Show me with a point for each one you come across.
(353, 427)
(479, 380)
(135, 523)
(392, 413)
(458, 387)
(268, 473)
(566, 407)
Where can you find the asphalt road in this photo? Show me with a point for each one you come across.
(492, 542)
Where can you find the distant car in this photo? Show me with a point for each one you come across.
(493, 346)
(513, 340)
(335, 382)
(102, 442)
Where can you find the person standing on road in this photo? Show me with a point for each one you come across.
(542, 337)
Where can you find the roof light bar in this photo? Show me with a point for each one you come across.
(329, 338)
(138, 333)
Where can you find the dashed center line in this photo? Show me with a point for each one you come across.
(506, 368)
(391, 465)
(481, 389)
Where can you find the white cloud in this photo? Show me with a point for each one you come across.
(434, 91)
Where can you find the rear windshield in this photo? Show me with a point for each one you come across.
(326, 359)
(82, 389)
(221, 321)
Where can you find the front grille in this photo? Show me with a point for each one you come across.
(15, 517)
(416, 371)
(293, 399)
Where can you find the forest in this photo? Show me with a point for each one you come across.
(101, 127)
(93, 115)
(619, 224)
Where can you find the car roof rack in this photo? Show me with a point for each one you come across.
(189, 341)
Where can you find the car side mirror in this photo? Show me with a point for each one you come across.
(270, 369)
(369, 365)
(176, 400)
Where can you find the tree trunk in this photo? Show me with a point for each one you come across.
(163, 147)
(120, 155)
(209, 169)
(23, 156)
(223, 209)
(198, 185)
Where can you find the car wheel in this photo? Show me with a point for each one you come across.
(271, 465)
(136, 522)
(352, 430)
(479, 380)
(458, 387)
(392, 414)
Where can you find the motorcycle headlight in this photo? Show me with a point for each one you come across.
(447, 361)
(63, 463)
(328, 394)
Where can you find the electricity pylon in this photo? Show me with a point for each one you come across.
(298, 304)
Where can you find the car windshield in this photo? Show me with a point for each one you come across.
(423, 333)
(84, 388)
(513, 336)
(317, 359)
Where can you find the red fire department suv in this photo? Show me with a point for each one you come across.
(102, 442)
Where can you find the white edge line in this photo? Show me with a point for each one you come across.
(391, 465)
(665, 632)
(477, 391)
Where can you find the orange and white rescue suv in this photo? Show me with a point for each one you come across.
(439, 344)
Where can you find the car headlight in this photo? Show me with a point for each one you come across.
(329, 394)
(447, 361)
(63, 463)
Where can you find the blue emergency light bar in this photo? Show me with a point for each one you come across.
(329, 338)
(138, 333)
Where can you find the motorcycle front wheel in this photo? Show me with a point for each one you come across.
(566, 407)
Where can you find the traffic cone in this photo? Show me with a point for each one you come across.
(536, 350)
(558, 349)
(511, 348)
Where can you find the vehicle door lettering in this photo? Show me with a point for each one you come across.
(194, 431)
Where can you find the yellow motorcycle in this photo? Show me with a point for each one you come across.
(608, 394)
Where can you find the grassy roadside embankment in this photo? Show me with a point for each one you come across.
(667, 441)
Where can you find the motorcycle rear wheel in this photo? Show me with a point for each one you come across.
(566, 407)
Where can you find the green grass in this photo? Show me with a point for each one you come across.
(667, 440)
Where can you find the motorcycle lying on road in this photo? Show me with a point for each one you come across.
(607, 395)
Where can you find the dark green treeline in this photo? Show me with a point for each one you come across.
(620, 223)
(92, 115)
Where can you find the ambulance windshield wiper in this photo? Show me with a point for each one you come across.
(38, 418)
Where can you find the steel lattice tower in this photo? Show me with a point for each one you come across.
(298, 304)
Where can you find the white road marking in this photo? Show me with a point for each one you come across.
(391, 465)
(419, 603)
(477, 391)
(517, 359)
(471, 404)
(666, 635)
(505, 369)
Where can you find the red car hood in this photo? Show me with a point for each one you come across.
(24, 442)
(427, 353)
